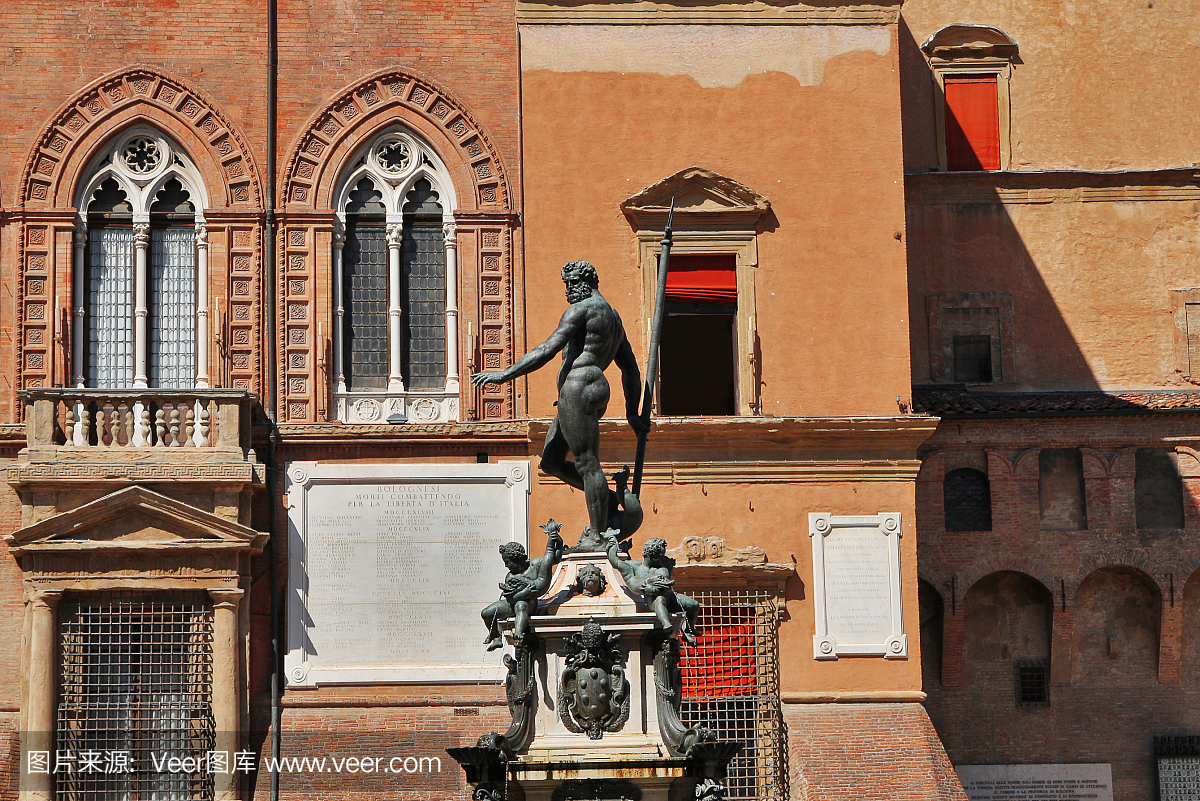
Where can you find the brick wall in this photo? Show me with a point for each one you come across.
(1122, 667)
(867, 752)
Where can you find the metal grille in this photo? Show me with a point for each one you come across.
(1031, 679)
(967, 500)
(424, 306)
(366, 329)
(172, 307)
(135, 691)
(110, 307)
(731, 685)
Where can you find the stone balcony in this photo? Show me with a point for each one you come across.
(81, 444)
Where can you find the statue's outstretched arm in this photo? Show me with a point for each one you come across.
(539, 355)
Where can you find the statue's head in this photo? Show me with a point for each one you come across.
(514, 553)
(581, 280)
(590, 580)
(654, 549)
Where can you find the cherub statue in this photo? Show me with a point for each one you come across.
(651, 578)
(527, 579)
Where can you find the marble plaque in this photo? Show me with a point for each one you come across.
(390, 565)
(856, 586)
(1179, 778)
(1079, 782)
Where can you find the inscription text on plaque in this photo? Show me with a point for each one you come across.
(390, 564)
(856, 586)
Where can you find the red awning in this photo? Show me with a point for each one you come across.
(702, 279)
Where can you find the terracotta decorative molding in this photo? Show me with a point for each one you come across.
(713, 550)
(150, 94)
(754, 12)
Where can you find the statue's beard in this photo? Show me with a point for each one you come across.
(578, 292)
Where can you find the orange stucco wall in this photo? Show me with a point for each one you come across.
(775, 518)
(830, 282)
(821, 144)
(1097, 86)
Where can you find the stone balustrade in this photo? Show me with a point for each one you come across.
(141, 418)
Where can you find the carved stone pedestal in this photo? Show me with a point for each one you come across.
(603, 724)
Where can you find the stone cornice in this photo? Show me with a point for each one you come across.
(853, 697)
(776, 443)
(706, 12)
(1012, 187)
(768, 574)
(776, 472)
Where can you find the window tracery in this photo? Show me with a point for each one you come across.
(140, 268)
(395, 277)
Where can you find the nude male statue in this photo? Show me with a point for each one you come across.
(527, 579)
(591, 337)
(651, 578)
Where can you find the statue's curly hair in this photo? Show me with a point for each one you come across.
(655, 545)
(513, 550)
(580, 271)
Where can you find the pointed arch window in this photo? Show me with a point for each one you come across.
(140, 269)
(395, 276)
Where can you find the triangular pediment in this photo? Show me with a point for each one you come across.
(698, 193)
(135, 517)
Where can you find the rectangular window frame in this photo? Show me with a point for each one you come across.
(1031, 682)
(759, 771)
(943, 313)
(1002, 69)
(143, 719)
(744, 248)
(161, 374)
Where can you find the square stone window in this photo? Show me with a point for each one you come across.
(970, 338)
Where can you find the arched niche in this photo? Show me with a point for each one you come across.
(1189, 655)
(932, 614)
(1116, 620)
(1007, 625)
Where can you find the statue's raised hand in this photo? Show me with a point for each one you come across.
(479, 379)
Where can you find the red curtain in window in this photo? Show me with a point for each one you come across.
(722, 666)
(972, 123)
(702, 279)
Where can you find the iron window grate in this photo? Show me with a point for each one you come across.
(366, 305)
(1031, 679)
(424, 305)
(136, 690)
(731, 685)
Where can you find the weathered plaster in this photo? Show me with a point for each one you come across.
(714, 55)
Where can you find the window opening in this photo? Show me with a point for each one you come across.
(1031, 679)
(126, 223)
(698, 350)
(136, 680)
(731, 685)
(172, 288)
(973, 359)
(423, 290)
(365, 266)
(967, 500)
(972, 122)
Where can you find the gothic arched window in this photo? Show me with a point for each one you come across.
(395, 330)
(136, 268)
